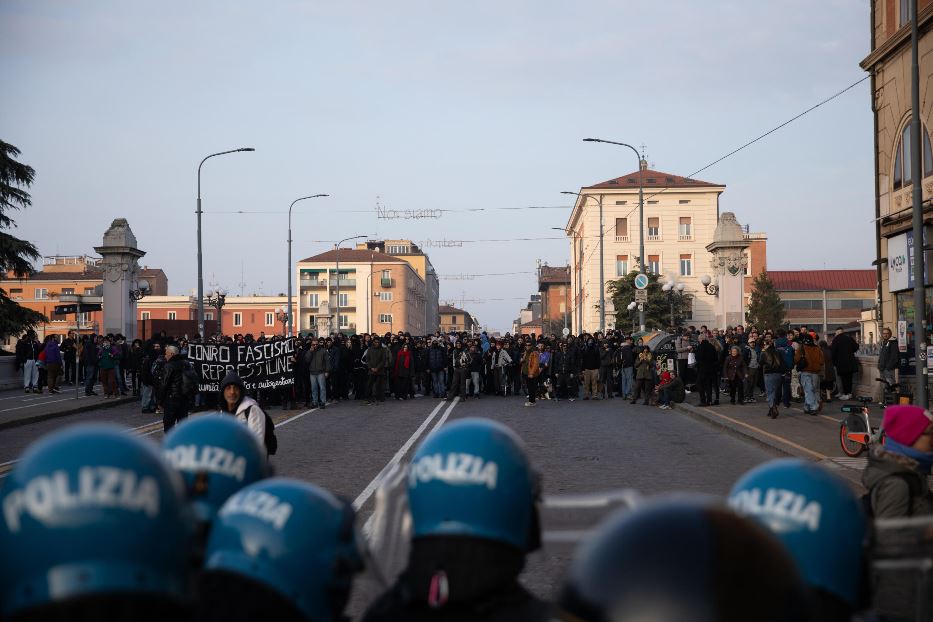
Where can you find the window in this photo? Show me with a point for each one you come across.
(688, 308)
(84, 319)
(563, 307)
(16, 290)
(748, 264)
(270, 319)
(208, 315)
(904, 14)
(686, 265)
(145, 315)
(344, 321)
(171, 315)
(621, 265)
(385, 318)
(621, 202)
(654, 228)
(902, 170)
(399, 249)
(42, 293)
(621, 229)
(88, 291)
(313, 301)
(685, 228)
(238, 319)
(385, 296)
(652, 202)
(343, 300)
(68, 291)
(654, 264)
(387, 274)
(683, 201)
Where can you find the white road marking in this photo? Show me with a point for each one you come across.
(67, 399)
(298, 416)
(373, 485)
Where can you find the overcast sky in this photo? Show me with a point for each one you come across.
(426, 105)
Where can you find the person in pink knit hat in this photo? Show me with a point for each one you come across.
(897, 472)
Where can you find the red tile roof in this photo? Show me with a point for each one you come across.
(448, 309)
(554, 274)
(353, 255)
(654, 179)
(817, 280)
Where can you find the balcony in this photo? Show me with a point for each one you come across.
(343, 283)
(387, 282)
(311, 283)
(622, 238)
(685, 237)
(653, 237)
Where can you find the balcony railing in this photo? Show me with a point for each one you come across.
(656, 237)
(685, 237)
(313, 282)
(622, 238)
(387, 282)
(343, 283)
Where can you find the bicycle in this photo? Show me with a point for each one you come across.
(855, 431)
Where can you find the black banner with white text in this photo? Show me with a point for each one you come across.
(260, 365)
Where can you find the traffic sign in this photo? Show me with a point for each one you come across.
(641, 295)
(565, 332)
(641, 281)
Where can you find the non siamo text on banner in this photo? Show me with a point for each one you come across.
(260, 365)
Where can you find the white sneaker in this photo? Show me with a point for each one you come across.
(529, 403)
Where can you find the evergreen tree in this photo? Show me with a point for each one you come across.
(765, 309)
(16, 255)
(658, 307)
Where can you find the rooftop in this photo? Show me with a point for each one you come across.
(653, 179)
(554, 274)
(818, 280)
(353, 255)
(92, 273)
(449, 309)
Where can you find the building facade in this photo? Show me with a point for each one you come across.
(554, 288)
(454, 320)
(377, 293)
(66, 275)
(253, 315)
(409, 252)
(825, 300)
(889, 66)
(680, 214)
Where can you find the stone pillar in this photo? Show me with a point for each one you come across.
(121, 268)
(728, 265)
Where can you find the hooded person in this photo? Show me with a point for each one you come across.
(235, 401)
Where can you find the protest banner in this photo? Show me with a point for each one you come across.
(260, 365)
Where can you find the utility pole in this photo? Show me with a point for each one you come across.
(919, 243)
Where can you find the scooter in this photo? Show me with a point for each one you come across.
(855, 431)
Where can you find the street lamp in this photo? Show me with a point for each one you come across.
(289, 319)
(141, 291)
(200, 258)
(354, 237)
(707, 282)
(215, 298)
(579, 320)
(602, 284)
(641, 214)
(632, 307)
(672, 287)
(283, 316)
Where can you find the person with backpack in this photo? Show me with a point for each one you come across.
(234, 401)
(897, 471)
(772, 365)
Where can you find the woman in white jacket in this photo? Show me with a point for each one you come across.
(235, 401)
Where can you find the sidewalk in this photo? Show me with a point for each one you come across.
(18, 408)
(814, 437)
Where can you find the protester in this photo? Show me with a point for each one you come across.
(734, 371)
(644, 376)
(808, 360)
(27, 357)
(888, 356)
(171, 396)
(530, 370)
(235, 401)
(844, 348)
(317, 360)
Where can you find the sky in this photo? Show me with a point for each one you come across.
(419, 105)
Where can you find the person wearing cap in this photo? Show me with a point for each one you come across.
(896, 474)
(235, 401)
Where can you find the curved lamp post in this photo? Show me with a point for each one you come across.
(289, 319)
(337, 312)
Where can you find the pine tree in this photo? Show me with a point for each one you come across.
(658, 307)
(16, 255)
(765, 309)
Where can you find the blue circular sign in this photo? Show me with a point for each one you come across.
(641, 281)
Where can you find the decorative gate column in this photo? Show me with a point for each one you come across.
(121, 269)
(728, 265)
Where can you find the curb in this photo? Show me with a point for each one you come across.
(6, 425)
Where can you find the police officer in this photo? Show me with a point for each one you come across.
(280, 550)
(473, 498)
(681, 560)
(94, 527)
(821, 523)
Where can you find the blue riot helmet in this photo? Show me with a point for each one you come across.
(280, 549)
(216, 456)
(92, 516)
(472, 478)
(817, 517)
(681, 559)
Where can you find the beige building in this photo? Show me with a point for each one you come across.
(889, 65)
(680, 218)
(454, 320)
(409, 252)
(378, 292)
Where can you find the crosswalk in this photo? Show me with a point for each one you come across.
(851, 463)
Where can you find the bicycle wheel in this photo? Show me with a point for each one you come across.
(851, 426)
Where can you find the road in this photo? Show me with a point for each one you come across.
(580, 447)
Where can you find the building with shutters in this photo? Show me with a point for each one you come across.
(681, 215)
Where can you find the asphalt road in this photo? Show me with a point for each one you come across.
(580, 447)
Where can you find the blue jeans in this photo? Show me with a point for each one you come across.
(145, 396)
(90, 377)
(626, 379)
(474, 379)
(665, 397)
(773, 384)
(318, 389)
(811, 389)
(121, 381)
(438, 383)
